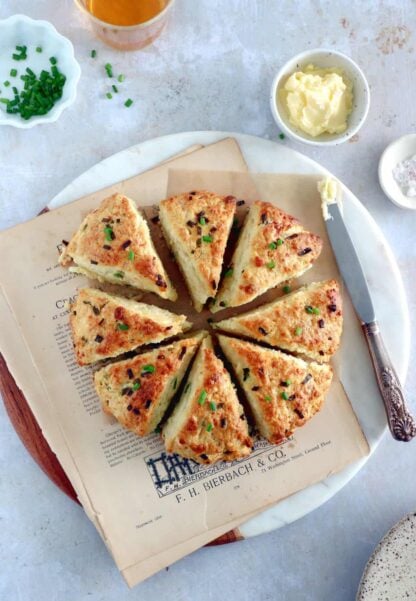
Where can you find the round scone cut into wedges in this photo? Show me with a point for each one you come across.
(208, 423)
(104, 325)
(272, 247)
(113, 244)
(307, 321)
(284, 392)
(137, 391)
(196, 226)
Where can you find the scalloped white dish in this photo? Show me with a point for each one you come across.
(20, 30)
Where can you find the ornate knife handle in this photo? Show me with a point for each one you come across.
(402, 424)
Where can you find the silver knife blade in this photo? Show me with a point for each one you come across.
(349, 264)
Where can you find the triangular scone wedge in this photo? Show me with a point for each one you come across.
(284, 392)
(137, 391)
(208, 424)
(307, 322)
(113, 244)
(196, 226)
(272, 248)
(104, 325)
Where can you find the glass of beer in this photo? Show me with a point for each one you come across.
(127, 24)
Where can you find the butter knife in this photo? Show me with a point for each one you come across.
(402, 424)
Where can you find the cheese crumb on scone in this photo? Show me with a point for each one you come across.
(113, 244)
(284, 392)
(104, 325)
(208, 424)
(196, 226)
(307, 322)
(137, 391)
(272, 248)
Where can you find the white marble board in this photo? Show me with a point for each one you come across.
(388, 292)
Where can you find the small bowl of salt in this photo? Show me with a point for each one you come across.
(397, 172)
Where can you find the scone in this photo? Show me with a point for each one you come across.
(196, 226)
(113, 244)
(104, 325)
(208, 424)
(272, 248)
(137, 391)
(284, 392)
(307, 322)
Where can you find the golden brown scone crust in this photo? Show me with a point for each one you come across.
(138, 398)
(208, 424)
(113, 244)
(272, 248)
(196, 226)
(104, 325)
(269, 376)
(307, 321)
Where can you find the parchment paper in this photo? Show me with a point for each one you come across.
(150, 508)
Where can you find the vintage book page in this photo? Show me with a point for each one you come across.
(138, 495)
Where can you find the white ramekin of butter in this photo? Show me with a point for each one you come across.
(320, 97)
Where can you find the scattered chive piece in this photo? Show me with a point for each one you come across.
(108, 232)
(119, 274)
(128, 102)
(13, 72)
(109, 95)
(4, 101)
(284, 396)
(229, 272)
(282, 136)
(158, 429)
(202, 397)
(207, 238)
(298, 331)
(38, 49)
(279, 242)
(30, 72)
(212, 406)
(187, 387)
(93, 53)
(115, 89)
(148, 369)
(202, 221)
(53, 60)
(120, 78)
(15, 90)
(271, 264)
(131, 255)
(122, 326)
(175, 382)
(272, 245)
(6, 83)
(312, 310)
(137, 385)
(286, 289)
(109, 69)
(287, 382)
(267, 398)
(210, 427)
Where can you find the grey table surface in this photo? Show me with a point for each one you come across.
(212, 69)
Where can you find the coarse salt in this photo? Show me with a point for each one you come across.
(405, 175)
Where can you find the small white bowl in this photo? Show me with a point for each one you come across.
(401, 149)
(322, 58)
(20, 30)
